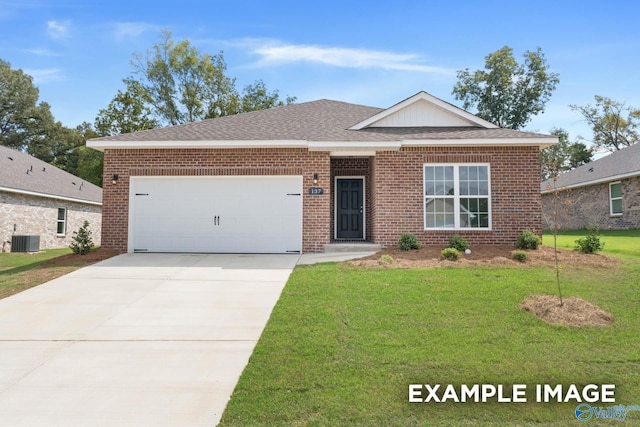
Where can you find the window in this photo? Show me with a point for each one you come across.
(456, 196)
(615, 197)
(62, 221)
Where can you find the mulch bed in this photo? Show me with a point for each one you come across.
(574, 311)
(489, 255)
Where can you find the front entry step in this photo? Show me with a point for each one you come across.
(351, 247)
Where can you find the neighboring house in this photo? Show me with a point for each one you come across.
(37, 198)
(604, 192)
(299, 177)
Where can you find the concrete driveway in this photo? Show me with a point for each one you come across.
(137, 340)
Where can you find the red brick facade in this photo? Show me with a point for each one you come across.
(398, 191)
(394, 187)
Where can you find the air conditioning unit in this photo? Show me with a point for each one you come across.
(25, 243)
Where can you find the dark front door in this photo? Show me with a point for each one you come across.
(350, 208)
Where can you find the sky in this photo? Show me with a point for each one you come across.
(371, 53)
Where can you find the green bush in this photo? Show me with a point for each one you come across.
(520, 256)
(458, 243)
(408, 242)
(528, 240)
(452, 254)
(81, 242)
(386, 258)
(590, 244)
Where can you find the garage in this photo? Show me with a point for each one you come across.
(239, 214)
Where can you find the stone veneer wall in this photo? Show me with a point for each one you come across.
(34, 215)
(582, 206)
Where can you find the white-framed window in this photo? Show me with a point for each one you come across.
(615, 198)
(61, 226)
(457, 196)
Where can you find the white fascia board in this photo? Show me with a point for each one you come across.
(431, 99)
(593, 182)
(354, 146)
(102, 145)
(353, 153)
(541, 142)
(49, 196)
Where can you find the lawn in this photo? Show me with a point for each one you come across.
(620, 243)
(344, 343)
(20, 271)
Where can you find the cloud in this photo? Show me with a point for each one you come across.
(42, 52)
(274, 53)
(58, 30)
(44, 75)
(127, 30)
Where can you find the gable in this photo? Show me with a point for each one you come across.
(423, 114)
(424, 111)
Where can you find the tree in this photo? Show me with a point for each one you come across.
(257, 97)
(182, 85)
(611, 130)
(126, 113)
(174, 83)
(81, 242)
(23, 122)
(90, 162)
(507, 93)
(563, 156)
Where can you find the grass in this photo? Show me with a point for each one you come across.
(21, 271)
(623, 244)
(343, 344)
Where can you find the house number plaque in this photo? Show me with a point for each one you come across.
(316, 191)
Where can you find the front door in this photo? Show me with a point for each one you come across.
(350, 208)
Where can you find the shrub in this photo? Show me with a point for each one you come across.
(452, 254)
(408, 242)
(528, 240)
(81, 241)
(386, 258)
(590, 244)
(520, 256)
(458, 243)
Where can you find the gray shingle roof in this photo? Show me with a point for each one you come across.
(622, 162)
(322, 120)
(22, 172)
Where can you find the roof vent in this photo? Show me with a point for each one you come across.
(44, 169)
(10, 158)
(591, 169)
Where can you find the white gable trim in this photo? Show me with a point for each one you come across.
(49, 196)
(424, 96)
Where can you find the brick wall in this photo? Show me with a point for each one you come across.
(213, 162)
(38, 216)
(580, 207)
(399, 201)
(352, 166)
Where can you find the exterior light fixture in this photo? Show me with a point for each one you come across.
(114, 178)
(315, 178)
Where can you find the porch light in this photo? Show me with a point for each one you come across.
(114, 179)
(315, 178)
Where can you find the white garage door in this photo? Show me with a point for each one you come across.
(252, 214)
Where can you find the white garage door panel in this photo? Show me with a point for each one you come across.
(178, 214)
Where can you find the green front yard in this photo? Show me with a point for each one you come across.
(344, 343)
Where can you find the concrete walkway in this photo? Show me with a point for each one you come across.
(137, 340)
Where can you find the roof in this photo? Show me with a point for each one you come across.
(617, 165)
(325, 121)
(22, 173)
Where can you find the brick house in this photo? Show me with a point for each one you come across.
(301, 177)
(605, 192)
(39, 199)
